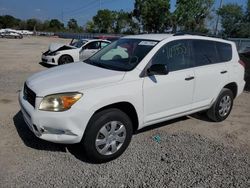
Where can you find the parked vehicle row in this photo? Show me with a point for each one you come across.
(132, 83)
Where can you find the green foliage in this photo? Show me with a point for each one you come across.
(190, 15)
(55, 25)
(104, 20)
(8, 21)
(124, 23)
(232, 17)
(90, 27)
(107, 21)
(153, 15)
(34, 25)
(248, 11)
(72, 25)
(150, 16)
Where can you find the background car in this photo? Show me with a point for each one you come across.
(77, 50)
(8, 34)
(245, 57)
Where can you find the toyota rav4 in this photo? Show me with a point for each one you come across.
(132, 83)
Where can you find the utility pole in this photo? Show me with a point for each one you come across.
(62, 16)
(218, 18)
(100, 4)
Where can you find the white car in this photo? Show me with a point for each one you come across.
(10, 34)
(77, 50)
(101, 102)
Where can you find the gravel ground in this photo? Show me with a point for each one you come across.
(186, 152)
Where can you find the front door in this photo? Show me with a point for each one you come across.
(169, 95)
(89, 49)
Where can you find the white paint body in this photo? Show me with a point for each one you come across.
(167, 98)
(77, 54)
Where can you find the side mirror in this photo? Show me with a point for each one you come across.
(157, 69)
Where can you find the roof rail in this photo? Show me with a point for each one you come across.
(195, 33)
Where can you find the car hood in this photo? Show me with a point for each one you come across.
(57, 47)
(72, 77)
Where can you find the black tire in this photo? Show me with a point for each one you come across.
(65, 59)
(92, 133)
(214, 113)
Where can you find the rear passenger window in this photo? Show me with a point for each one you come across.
(210, 52)
(175, 55)
(205, 52)
(225, 51)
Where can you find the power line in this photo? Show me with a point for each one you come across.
(81, 7)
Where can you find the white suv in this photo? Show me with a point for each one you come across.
(134, 82)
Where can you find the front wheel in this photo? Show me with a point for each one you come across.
(222, 106)
(107, 136)
(65, 59)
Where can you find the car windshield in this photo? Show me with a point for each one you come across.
(122, 55)
(78, 43)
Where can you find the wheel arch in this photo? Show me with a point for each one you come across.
(127, 108)
(65, 55)
(233, 87)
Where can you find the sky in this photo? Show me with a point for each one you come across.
(81, 10)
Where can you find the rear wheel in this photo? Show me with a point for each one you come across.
(65, 59)
(222, 106)
(108, 135)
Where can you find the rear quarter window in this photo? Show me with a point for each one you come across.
(225, 51)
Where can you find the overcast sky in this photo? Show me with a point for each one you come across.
(81, 10)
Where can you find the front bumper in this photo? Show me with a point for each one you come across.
(59, 127)
(51, 60)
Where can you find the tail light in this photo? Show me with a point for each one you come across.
(242, 63)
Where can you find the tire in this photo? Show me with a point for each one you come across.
(97, 146)
(222, 106)
(65, 59)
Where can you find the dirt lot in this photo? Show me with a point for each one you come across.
(192, 151)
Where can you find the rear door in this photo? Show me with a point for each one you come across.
(210, 71)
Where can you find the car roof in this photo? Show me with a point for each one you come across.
(160, 37)
(89, 40)
(157, 37)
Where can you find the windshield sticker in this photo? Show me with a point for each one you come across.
(147, 43)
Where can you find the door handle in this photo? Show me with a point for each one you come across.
(189, 78)
(223, 72)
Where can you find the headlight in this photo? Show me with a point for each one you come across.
(59, 102)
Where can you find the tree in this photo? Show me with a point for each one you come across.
(8, 21)
(34, 24)
(231, 19)
(90, 27)
(124, 23)
(55, 25)
(72, 25)
(153, 15)
(104, 20)
(248, 11)
(190, 15)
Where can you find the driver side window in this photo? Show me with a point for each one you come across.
(93, 46)
(175, 55)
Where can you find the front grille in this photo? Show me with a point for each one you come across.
(44, 60)
(29, 95)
